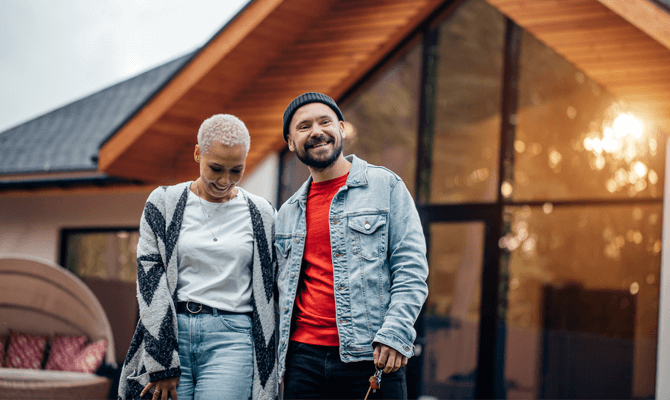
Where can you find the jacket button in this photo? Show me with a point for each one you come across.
(285, 308)
(292, 274)
(296, 240)
(367, 225)
(281, 341)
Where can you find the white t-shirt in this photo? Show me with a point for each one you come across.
(216, 273)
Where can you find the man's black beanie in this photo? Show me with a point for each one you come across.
(307, 98)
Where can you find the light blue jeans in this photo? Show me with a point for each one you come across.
(216, 355)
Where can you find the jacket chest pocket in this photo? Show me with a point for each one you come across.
(368, 234)
(283, 247)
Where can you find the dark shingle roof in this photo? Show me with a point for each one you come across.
(68, 139)
(664, 3)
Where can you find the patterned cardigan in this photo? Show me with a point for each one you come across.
(153, 352)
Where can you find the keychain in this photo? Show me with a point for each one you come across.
(375, 382)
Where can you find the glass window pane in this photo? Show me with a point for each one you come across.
(583, 301)
(293, 174)
(452, 309)
(575, 140)
(466, 145)
(102, 254)
(382, 121)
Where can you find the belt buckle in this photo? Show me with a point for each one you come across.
(189, 308)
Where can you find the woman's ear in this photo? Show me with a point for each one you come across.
(196, 154)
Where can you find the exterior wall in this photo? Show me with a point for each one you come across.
(32, 225)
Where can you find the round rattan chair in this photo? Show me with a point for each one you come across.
(40, 297)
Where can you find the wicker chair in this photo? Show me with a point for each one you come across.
(38, 296)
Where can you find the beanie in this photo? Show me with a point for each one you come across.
(307, 98)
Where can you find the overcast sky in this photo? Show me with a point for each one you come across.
(53, 52)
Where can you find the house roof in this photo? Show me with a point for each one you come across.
(68, 139)
(274, 50)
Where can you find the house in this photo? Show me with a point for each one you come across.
(530, 133)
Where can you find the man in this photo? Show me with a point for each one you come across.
(352, 266)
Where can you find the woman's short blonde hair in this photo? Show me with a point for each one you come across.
(223, 128)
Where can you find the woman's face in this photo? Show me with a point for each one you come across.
(221, 168)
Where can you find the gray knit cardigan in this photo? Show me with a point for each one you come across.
(154, 350)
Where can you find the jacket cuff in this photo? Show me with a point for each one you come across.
(402, 346)
(168, 373)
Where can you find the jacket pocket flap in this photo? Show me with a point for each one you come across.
(367, 224)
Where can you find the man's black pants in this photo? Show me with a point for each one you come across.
(316, 372)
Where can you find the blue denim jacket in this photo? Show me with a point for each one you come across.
(379, 262)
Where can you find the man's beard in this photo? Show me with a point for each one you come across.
(319, 163)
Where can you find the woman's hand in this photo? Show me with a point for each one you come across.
(162, 388)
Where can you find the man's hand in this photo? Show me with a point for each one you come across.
(162, 388)
(388, 358)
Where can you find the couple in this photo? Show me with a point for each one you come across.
(342, 262)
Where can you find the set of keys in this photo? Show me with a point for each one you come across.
(375, 383)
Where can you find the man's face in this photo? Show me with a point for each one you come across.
(315, 135)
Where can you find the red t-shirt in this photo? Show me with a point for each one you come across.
(315, 321)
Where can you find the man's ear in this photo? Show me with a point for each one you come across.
(291, 145)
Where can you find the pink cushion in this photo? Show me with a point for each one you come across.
(90, 357)
(25, 350)
(63, 352)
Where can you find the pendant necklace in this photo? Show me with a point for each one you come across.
(202, 207)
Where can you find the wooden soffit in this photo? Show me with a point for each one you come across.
(621, 44)
(271, 52)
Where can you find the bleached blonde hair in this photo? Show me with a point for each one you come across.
(223, 128)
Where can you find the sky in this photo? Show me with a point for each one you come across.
(53, 52)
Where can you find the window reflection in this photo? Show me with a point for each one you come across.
(382, 121)
(574, 139)
(452, 309)
(467, 105)
(583, 301)
(102, 254)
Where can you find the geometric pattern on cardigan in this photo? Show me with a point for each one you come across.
(154, 350)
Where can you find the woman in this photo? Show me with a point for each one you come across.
(205, 271)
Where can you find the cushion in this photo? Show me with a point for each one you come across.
(90, 357)
(63, 352)
(25, 350)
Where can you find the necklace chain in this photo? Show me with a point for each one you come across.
(202, 207)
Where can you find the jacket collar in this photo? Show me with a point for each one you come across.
(358, 176)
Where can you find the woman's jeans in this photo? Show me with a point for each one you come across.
(216, 355)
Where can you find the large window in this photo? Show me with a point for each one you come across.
(575, 140)
(541, 197)
(466, 143)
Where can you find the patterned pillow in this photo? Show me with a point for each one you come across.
(90, 357)
(63, 352)
(25, 350)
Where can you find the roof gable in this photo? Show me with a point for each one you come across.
(273, 51)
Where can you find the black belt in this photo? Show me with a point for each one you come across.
(191, 307)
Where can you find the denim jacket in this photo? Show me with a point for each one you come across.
(379, 262)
